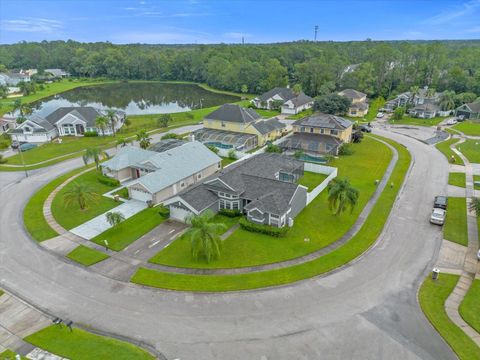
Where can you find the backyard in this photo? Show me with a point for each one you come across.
(468, 128)
(455, 228)
(471, 149)
(311, 180)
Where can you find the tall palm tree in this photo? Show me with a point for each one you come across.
(80, 194)
(112, 118)
(430, 92)
(94, 154)
(414, 91)
(143, 139)
(101, 122)
(114, 218)
(204, 235)
(447, 101)
(342, 195)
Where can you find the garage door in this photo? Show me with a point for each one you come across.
(178, 214)
(140, 195)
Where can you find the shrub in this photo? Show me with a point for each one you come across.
(105, 180)
(171, 136)
(213, 148)
(230, 213)
(272, 148)
(263, 229)
(3, 160)
(232, 155)
(345, 149)
(4, 144)
(164, 211)
(90, 134)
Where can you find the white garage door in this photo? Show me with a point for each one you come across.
(179, 214)
(140, 195)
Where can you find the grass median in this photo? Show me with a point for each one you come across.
(457, 179)
(468, 128)
(365, 238)
(444, 148)
(86, 256)
(455, 228)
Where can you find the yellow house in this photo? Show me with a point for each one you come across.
(359, 107)
(234, 127)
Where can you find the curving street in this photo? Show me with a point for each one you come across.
(365, 311)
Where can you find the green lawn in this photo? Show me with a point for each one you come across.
(346, 253)
(470, 306)
(1, 292)
(455, 228)
(267, 113)
(374, 107)
(130, 230)
(316, 222)
(432, 297)
(444, 148)
(82, 345)
(311, 180)
(408, 120)
(9, 355)
(86, 256)
(468, 128)
(476, 178)
(471, 149)
(72, 216)
(226, 161)
(123, 193)
(301, 114)
(33, 218)
(457, 179)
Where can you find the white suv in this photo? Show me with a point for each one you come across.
(438, 216)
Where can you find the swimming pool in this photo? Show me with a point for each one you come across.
(313, 159)
(219, 145)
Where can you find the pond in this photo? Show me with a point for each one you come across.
(136, 98)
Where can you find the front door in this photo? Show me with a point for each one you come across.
(80, 129)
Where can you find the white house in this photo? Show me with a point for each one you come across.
(35, 129)
(290, 103)
(297, 104)
(58, 73)
(12, 79)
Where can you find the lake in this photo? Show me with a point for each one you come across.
(136, 98)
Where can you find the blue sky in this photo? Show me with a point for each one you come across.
(215, 21)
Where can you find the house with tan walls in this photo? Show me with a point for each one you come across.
(359, 106)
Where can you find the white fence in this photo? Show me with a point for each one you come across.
(319, 169)
(225, 152)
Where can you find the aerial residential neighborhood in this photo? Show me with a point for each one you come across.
(233, 180)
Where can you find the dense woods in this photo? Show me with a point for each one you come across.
(384, 68)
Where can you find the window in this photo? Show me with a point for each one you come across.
(285, 177)
(182, 184)
(199, 176)
(223, 123)
(235, 205)
(311, 129)
(322, 131)
(302, 129)
(221, 204)
(275, 217)
(27, 129)
(334, 132)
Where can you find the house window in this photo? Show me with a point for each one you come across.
(223, 123)
(285, 177)
(334, 132)
(68, 129)
(221, 204)
(27, 129)
(199, 176)
(322, 131)
(235, 205)
(302, 129)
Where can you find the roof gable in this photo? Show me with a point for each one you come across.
(234, 113)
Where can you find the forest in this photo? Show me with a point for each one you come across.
(379, 68)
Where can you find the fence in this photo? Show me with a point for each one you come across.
(319, 169)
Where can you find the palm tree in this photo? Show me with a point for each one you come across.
(341, 195)
(430, 93)
(123, 142)
(80, 194)
(163, 120)
(101, 122)
(112, 117)
(414, 90)
(114, 218)
(94, 154)
(475, 206)
(447, 101)
(204, 235)
(127, 122)
(143, 139)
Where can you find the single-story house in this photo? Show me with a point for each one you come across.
(13, 78)
(263, 187)
(156, 176)
(402, 99)
(469, 111)
(58, 73)
(285, 99)
(318, 134)
(35, 129)
(359, 107)
(428, 111)
(297, 104)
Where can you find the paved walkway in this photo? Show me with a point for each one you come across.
(451, 258)
(456, 191)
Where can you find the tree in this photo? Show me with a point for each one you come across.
(213, 148)
(114, 218)
(475, 206)
(101, 122)
(112, 117)
(297, 89)
(123, 142)
(272, 148)
(80, 194)
(171, 136)
(430, 92)
(341, 195)
(23, 110)
(447, 100)
(414, 91)
(244, 89)
(204, 236)
(143, 139)
(127, 122)
(299, 154)
(398, 113)
(96, 155)
(332, 104)
(232, 155)
(164, 120)
(357, 137)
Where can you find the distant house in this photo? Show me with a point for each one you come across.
(470, 111)
(427, 105)
(285, 99)
(156, 176)
(13, 78)
(359, 107)
(35, 129)
(401, 100)
(263, 187)
(318, 134)
(6, 124)
(58, 73)
(425, 111)
(234, 127)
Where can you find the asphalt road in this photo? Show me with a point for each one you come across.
(365, 311)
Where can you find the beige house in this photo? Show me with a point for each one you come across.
(359, 107)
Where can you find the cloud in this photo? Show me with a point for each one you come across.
(236, 35)
(450, 14)
(31, 25)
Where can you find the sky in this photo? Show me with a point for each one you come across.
(219, 21)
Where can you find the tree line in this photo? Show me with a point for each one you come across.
(380, 68)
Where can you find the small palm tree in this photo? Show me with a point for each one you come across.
(430, 93)
(341, 195)
(447, 101)
(123, 142)
(114, 218)
(96, 155)
(101, 122)
(127, 122)
(143, 139)
(80, 194)
(204, 235)
(475, 206)
(163, 120)
(112, 118)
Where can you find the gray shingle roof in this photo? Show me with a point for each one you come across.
(427, 107)
(352, 94)
(267, 126)
(325, 121)
(284, 93)
(311, 143)
(127, 156)
(85, 113)
(301, 99)
(234, 113)
(37, 120)
(474, 107)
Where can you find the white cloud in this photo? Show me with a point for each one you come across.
(31, 25)
(450, 14)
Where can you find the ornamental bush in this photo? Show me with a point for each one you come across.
(90, 134)
(230, 213)
(105, 180)
(263, 229)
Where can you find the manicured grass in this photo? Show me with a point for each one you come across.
(457, 179)
(9, 355)
(123, 193)
(311, 180)
(408, 120)
(352, 249)
(476, 178)
(470, 306)
(432, 297)
(226, 161)
(267, 113)
(33, 218)
(71, 216)
(468, 128)
(130, 230)
(301, 114)
(374, 107)
(455, 228)
(471, 149)
(82, 345)
(1, 292)
(444, 148)
(315, 223)
(86, 256)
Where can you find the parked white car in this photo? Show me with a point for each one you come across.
(380, 115)
(438, 216)
(451, 121)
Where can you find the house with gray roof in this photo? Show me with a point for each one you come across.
(359, 104)
(283, 99)
(34, 129)
(58, 73)
(470, 111)
(153, 176)
(263, 187)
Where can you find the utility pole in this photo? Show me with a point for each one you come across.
(316, 31)
(243, 40)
